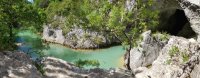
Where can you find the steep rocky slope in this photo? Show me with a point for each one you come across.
(177, 59)
(170, 9)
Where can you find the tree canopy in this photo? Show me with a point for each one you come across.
(15, 14)
(103, 15)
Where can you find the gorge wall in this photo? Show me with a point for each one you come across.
(78, 38)
(191, 11)
(179, 57)
(178, 17)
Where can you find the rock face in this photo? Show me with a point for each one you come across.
(57, 68)
(17, 65)
(176, 60)
(78, 38)
(53, 35)
(148, 51)
(192, 11)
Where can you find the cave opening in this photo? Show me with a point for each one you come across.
(177, 24)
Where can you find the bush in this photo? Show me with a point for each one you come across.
(81, 63)
(173, 51)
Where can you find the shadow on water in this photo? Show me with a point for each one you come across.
(31, 44)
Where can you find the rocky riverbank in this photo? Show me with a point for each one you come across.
(179, 58)
(78, 38)
(19, 65)
(173, 57)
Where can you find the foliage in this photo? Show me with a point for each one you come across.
(98, 40)
(163, 36)
(39, 67)
(110, 17)
(86, 35)
(173, 51)
(17, 14)
(81, 63)
(169, 61)
(185, 56)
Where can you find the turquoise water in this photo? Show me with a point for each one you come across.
(32, 43)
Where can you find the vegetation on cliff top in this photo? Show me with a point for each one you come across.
(113, 17)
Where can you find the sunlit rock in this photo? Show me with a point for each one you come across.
(17, 65)
(147, 52)
(57, 68)
(174, 63)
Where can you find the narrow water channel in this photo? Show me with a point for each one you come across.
(108, 58)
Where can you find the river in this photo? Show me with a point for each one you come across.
(31, 43)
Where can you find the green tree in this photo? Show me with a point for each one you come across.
(110, 17)
(15, 14)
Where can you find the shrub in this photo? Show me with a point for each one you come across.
(173, 51)
(81, 63)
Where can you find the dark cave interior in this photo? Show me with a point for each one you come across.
(178, 25)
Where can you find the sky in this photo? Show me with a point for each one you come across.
(30, 0)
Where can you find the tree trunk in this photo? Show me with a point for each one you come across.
(117, 37)
(10, 33)
(127, 55)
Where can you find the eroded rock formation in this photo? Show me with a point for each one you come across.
(17, 65)
(78, 38)
(192, 11)
(148, 50)
(174, 63)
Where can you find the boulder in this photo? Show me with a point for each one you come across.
(17, 65)
(148, 51)
(57, 68)
(176, 60)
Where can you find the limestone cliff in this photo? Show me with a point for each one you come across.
(78, 38)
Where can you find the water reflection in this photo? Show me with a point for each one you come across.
(31, 44)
